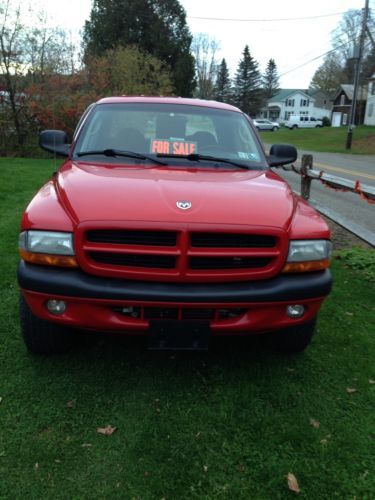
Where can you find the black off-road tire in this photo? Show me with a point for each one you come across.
(43, 337)
(290, 340)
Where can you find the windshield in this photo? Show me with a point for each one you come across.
(177, 133)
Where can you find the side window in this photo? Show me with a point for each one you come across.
(312, 119)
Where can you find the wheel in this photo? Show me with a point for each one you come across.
(317, 126)
(40, 336)
(290, 340)
(295, 126)
(275, 129)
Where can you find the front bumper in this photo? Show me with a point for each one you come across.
(94, 302)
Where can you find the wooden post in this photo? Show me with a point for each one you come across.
(306, 165)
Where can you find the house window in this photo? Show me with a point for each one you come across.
(344, 119)
(370, 110)
(289, 102)
(302, 113)
(287, 114)
(373, 88)
(304, 103)
(342, 100)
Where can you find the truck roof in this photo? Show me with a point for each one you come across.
(168, 100)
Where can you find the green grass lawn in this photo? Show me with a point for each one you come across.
(227, 424)
(326, 139)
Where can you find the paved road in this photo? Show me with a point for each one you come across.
(348, 209)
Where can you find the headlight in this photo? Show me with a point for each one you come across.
(308, 255)
(47, 247)
(47, 242)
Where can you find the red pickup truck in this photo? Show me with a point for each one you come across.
(166, 220)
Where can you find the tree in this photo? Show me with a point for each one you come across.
(156, 27)
(329, 75)
(11, 65)
(204, 50)
(270, 80)
(128, 71)
(223, 86)
(345, 39)
(27, 56)
(247, 89)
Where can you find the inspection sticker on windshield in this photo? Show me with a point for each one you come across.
(247, 156)
(177, 147)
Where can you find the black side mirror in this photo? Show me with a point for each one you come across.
(281, 154)
(54, 141)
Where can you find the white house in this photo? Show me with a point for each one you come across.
(370, 105)
(299, 102)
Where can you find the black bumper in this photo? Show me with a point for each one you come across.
(75, 283)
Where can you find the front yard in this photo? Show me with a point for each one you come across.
(326, 139)
(228, 424)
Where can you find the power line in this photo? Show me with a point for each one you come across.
(317, 57)
(264, 20)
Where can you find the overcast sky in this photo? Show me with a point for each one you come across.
(290, 42)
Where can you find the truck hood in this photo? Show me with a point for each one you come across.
(92, 192)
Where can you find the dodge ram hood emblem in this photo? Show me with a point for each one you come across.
(183, 204)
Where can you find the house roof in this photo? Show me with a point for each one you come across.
(284, 93)
(348, 88)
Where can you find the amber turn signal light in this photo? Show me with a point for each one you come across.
(48, 259)
(306, 267)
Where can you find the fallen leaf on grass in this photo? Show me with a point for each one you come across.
(370, 382)
(1, 399)
(71, 403)
(106, 431)
(36, 466)
(349, 313)
(86, 445)
(293, 483)
(350, 390)
(314, 423)
(205, 469)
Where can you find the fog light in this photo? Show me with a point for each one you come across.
(56, 306)
(295, 310)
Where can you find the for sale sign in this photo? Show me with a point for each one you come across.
(177, 147)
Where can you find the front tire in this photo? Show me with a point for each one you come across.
(291, 340)
(295, 127)
(40, 336)
(275, 129)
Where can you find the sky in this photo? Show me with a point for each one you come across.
(291, 42)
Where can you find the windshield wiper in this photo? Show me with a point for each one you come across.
(117, 152)
(198, 157)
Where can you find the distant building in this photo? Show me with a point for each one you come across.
(370, 105)
(287, 102)
(342, 104)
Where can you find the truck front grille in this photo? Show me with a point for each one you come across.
(185, 254)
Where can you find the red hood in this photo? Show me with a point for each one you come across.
(132, 193)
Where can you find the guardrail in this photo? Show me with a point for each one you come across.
(308, 174)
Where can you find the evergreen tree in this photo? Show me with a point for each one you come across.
(247, 89)
(156, 27)
(270, 80)
(223, 85)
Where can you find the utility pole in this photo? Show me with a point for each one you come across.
(356, 77)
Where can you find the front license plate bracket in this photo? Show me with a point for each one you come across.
(179, 335)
